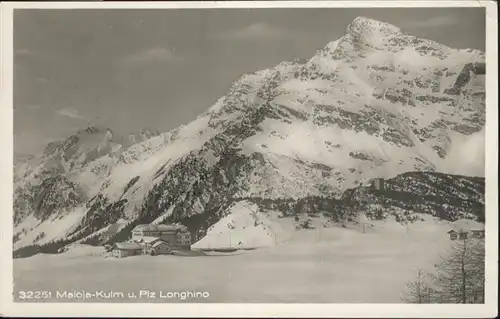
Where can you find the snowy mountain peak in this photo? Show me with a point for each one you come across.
(89, 132)
(142, 135)
(362, 25)
(93, 129)
(370, 33)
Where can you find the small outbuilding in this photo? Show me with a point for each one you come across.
(453, 234)
(125, 249)
(477, 233)
(161, 248)
(466, 229)
(458, 234)
(147, 243)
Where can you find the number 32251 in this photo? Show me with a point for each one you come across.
(34, 295)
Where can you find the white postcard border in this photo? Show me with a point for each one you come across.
(9, 308)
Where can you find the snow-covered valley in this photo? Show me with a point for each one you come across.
(327, 264)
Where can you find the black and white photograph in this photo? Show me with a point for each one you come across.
(252, 155)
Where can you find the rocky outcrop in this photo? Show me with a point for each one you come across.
(53, 194)
(407, 196)
(465, 76)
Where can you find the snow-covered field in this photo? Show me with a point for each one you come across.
(323, 265)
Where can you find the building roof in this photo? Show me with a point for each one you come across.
(144, 227)
(161, 227)
(128, 246)
(149, 239)
(173, 228)
(161, 242)
(466, 225)
(366, 182)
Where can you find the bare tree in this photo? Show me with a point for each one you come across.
(419, 290)
(477, 266)
(460, 275)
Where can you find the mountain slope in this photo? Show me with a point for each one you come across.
(375, 103)
(408, 199)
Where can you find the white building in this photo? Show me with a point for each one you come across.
(174, 235)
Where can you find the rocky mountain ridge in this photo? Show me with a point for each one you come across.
(375, 103)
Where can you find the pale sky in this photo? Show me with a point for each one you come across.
(134, 69)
